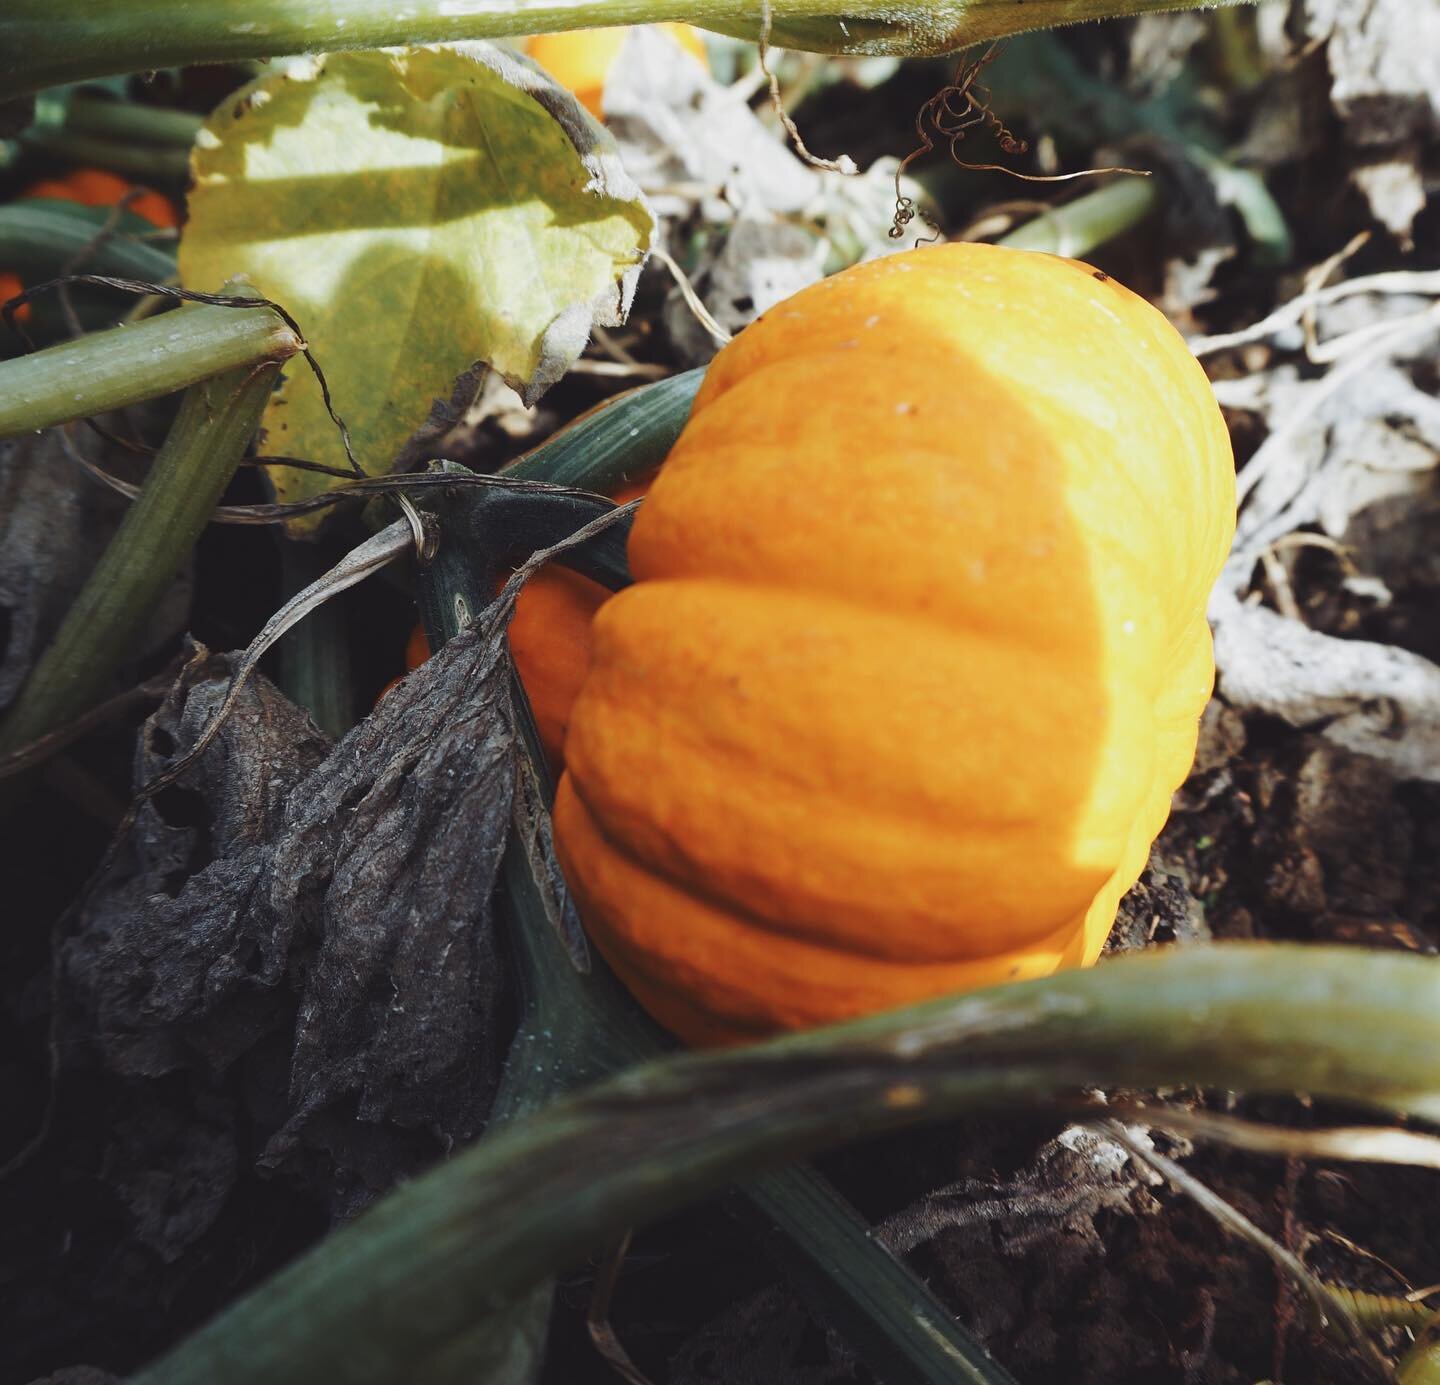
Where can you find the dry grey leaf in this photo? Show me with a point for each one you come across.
(856, 214)
(54, 521)
(1395, 190)
(357, 878)
(1160, 50)
(1351, 453)
(169, 962)
(1384, 60)
(1058, 1265)
(1077, 1175)
(400, 1008)
(690, 142)
(172, 1170)
(1189, 283)
(698, 150)
(1013, 1254)
(755, 266)
(1371, 698)
(1335, 445)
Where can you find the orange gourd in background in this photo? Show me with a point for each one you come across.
(96, 187)
(10, 285)
(91, 187)
(916, 651)
(580, 59)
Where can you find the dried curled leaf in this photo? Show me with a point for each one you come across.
(1351, 452)
(357, 878)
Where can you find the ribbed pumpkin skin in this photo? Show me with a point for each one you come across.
(916, 651)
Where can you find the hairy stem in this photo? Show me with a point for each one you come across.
(43, 44)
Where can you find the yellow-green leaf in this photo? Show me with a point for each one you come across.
(416, 212)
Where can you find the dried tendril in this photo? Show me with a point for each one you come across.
(959, 107)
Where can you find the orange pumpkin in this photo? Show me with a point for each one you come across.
(97, 187)
(10, 285)
(417, 648)
(549, 640)
(916, 650)
(581, 59)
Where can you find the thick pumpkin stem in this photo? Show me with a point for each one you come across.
(42, 44)
(474, 1235)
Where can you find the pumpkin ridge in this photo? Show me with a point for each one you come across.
(934, 621)
(774, 924)
(829, 971)
(1080, 469)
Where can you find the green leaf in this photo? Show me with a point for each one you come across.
(416, 213)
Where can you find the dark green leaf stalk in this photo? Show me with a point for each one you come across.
(216, 422)
(477, 1234)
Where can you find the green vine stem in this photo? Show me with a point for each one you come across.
(1076, 228)
(78, 112)
(155, 163)
(315, 656)
(39, 238)
(473, 1236)
(109, 370)
(43, 44)
(605, 448)
(216, 421)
